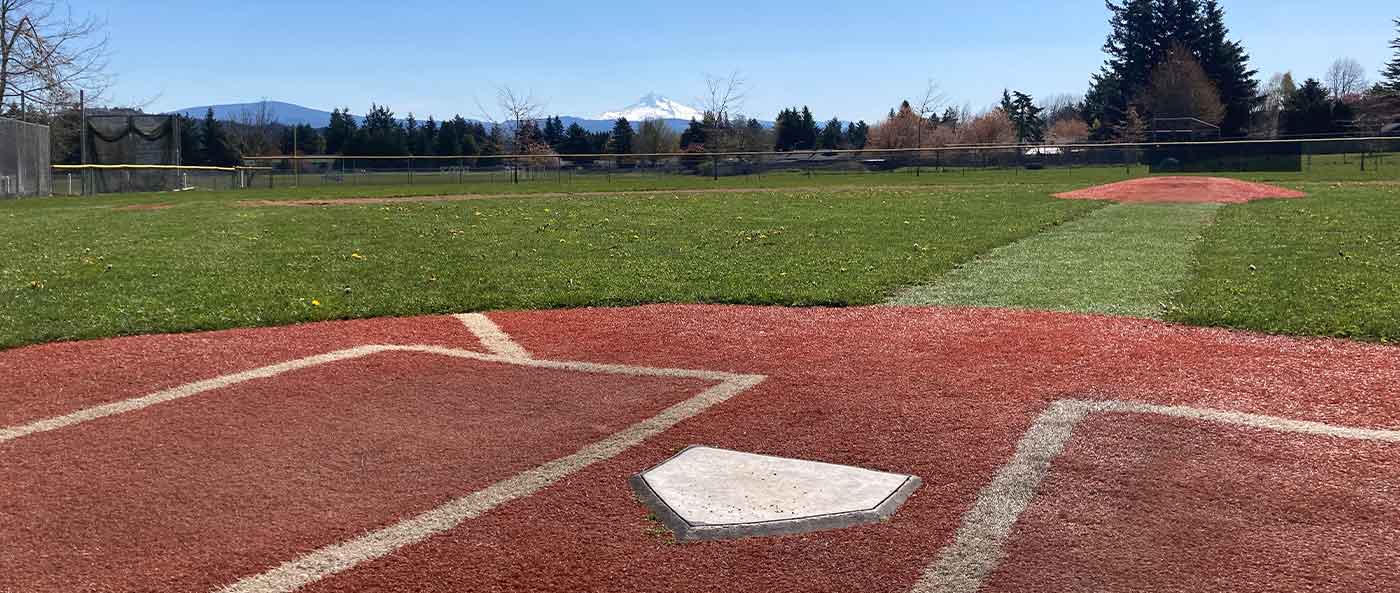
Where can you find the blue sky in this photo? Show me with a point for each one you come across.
(850, 59)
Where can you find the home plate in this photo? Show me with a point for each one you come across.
(705, 493)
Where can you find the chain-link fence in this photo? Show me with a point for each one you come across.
(1309, 159)
(77, 180)
(24, 158)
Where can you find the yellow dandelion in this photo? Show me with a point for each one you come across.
(315, 303)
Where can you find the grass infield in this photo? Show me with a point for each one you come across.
(1127, 259)
(1327, 265)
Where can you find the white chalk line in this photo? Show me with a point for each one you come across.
(491, 335)
(199, 387)
(979, 544)
(342, 556)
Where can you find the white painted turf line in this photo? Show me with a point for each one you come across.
(339, 557)
(181, 392)
(491, 335)
(979, 544)
(346, 555)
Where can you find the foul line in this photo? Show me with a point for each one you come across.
(979, 544)
(491, 335)
(342, 556)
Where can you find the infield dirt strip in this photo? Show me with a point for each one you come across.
(492, 453)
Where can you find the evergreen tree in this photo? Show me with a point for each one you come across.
(190, 152)
(553, 131)
(1227, 65)
(218, 149)
(831, 135)
(340, 132)
(809, 130)
(857, 134)
(412, 134)
(1312, 110)
(576, 141)
(694, 134)
(1142, 34)
(427, 139)
(950, 117)
(1025, 115)
(1391, 73)
(382, 135)
(449, 138)
(621, 141)
(1007, 106)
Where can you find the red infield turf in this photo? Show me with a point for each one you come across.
(1192, 458)
(1182, 189)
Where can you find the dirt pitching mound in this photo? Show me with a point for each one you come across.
(1182, 189)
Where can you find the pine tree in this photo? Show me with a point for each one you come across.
(1312, 110)
(809, 130)
(1391, 73)
(831, 135)
(1025, 115)
(1007, 106)
(340, 132)
(449, 138)
(1227, 65)
(1142, 34)
(217, 147)
(427, 139)
(622, 133)
(694, 135)
(553, 130)
(576, 141)
(190, 152)
(857, 134)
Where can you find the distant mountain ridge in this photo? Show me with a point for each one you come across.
(651, 106)
(282, 112)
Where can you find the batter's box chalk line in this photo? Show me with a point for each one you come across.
(329, 560)
(978, 546)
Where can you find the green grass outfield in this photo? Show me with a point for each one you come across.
(74, 268)
(86, 270)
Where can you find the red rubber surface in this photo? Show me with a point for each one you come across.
(1182, 189)
(1143, 503)
(943, 394)
(55, 379)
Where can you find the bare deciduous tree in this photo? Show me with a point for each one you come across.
(255, 129)
(1345, 77)
(518, 110)
(1180, 88)
(47, 55)
(724, 95)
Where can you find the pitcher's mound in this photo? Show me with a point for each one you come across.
(1182, 189)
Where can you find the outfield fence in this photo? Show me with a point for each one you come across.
(1322, 158)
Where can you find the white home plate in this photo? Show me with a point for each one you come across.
(709, 493)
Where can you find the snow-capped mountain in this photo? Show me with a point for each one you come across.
(654, 106)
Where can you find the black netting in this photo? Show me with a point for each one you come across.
(24, 158)
(131, 140)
